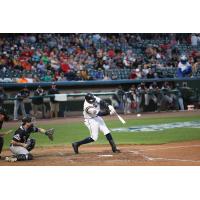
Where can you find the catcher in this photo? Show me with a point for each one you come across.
(21, 145)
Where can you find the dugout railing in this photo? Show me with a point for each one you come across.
(74, 101)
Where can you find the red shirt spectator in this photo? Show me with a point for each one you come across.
(111, 53)
(65, 67)
(133, 75)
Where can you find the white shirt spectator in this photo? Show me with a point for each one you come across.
(106, 66)
(41, 66)
(182, 66)
(194, 40)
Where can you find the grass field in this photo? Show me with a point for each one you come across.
(69, 132)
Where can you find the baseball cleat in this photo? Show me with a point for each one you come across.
(75, 147)
(10, 159)
(117, 151)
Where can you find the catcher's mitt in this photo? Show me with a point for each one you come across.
(50, 133)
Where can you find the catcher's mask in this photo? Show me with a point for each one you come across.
(89, 97)
(3, 112)
(26, 120)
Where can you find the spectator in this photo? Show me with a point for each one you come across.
(41, 66)
(22, 80)
(65, 67)
(19, 102)
(150, 74)
(194, 40)
(38, 101)
(99, 74)
(133, 74)
(184, 67)
(54, 105)
(61, 77)
(48, 77)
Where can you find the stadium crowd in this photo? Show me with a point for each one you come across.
(60, 57)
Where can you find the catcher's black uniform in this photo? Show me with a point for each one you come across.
(22, 135)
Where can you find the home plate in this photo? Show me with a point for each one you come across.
(105, 155)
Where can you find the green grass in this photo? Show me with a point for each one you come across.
(67, 133)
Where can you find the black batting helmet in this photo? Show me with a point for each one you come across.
(89, 97)
(26, 120)
(3, 112)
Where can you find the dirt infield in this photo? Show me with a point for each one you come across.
(173, 154)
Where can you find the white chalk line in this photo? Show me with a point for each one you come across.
(175, 147)
(164, 159)
(171, 159)
(138, 152)
(105, 155)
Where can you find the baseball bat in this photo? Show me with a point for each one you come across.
(121, 119)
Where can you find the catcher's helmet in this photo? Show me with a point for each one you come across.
(26, 120)
(3, 112)
(89, 97)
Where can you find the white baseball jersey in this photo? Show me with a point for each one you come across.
(92, 120)
(90, 110)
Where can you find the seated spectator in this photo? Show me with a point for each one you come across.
(22, 80)
(41, 66)
(65, 67)
(99, 74)
(133, 74)
(48, 77)
(150, 74)
(184, 67)
(61, 77)
(84, 74)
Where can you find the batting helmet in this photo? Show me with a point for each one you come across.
(3, 112)
(89, 97)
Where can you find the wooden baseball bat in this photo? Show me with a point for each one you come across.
(121, 119)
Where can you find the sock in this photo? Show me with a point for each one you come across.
(85, 141)
(111, 141)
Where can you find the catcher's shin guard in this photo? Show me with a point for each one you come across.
(112, 143)
(75, 145)
(22, 157)
(30, 144)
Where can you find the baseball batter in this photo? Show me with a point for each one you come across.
(92, 113)
(21, 145)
